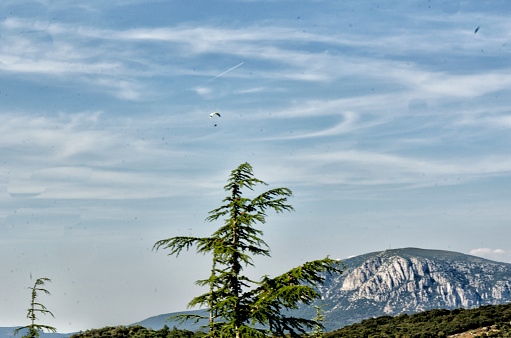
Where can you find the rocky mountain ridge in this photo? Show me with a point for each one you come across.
(411, 280)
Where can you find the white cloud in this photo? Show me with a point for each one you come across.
(25, 189)
(348, 124)
(48, 156)
(76, 52)
(473, 85)
(372, 168)
(57, 138)
(500, 255)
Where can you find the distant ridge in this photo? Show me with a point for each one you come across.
(390, 282)
(7, 332)
(411, 280)
(157, 322)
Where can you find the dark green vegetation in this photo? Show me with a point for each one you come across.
(137, 331)
(432, 323)
(35, 307)
(240, 306)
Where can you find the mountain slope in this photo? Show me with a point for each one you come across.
(157, 322)
(411, 280)
(434, 323)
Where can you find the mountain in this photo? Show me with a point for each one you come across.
(398, 281)
(157, 322)
(412, 280)
(394, 282)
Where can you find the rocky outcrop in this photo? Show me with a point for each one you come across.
(411, 280)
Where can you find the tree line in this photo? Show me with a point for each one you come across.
(137, 331)
(433, 323)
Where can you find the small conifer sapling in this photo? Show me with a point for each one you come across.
(35, 307)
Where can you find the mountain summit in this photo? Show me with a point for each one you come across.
(411, 280)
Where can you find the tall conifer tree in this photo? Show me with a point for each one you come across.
(238, 305)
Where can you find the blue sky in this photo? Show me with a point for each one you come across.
(389, 122)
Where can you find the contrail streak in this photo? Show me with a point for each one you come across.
(222, 74)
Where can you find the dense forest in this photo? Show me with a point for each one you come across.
(433, 323)
(137, 331)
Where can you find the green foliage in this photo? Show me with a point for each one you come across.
(137, 331)
(240, 306)
(33, 328)
(433, 323)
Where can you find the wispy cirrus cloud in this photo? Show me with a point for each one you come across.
(364, 168)
(78, 52)
(85, 156)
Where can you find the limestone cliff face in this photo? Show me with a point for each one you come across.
(412, 280)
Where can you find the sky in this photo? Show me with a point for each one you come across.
(389, 121)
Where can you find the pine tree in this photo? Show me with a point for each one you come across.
(239, 306)
(33, 328)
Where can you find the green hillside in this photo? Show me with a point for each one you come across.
(433, 323)
(136, 331)
(428, 324)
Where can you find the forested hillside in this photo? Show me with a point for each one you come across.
(137, 331)
(433, 323)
